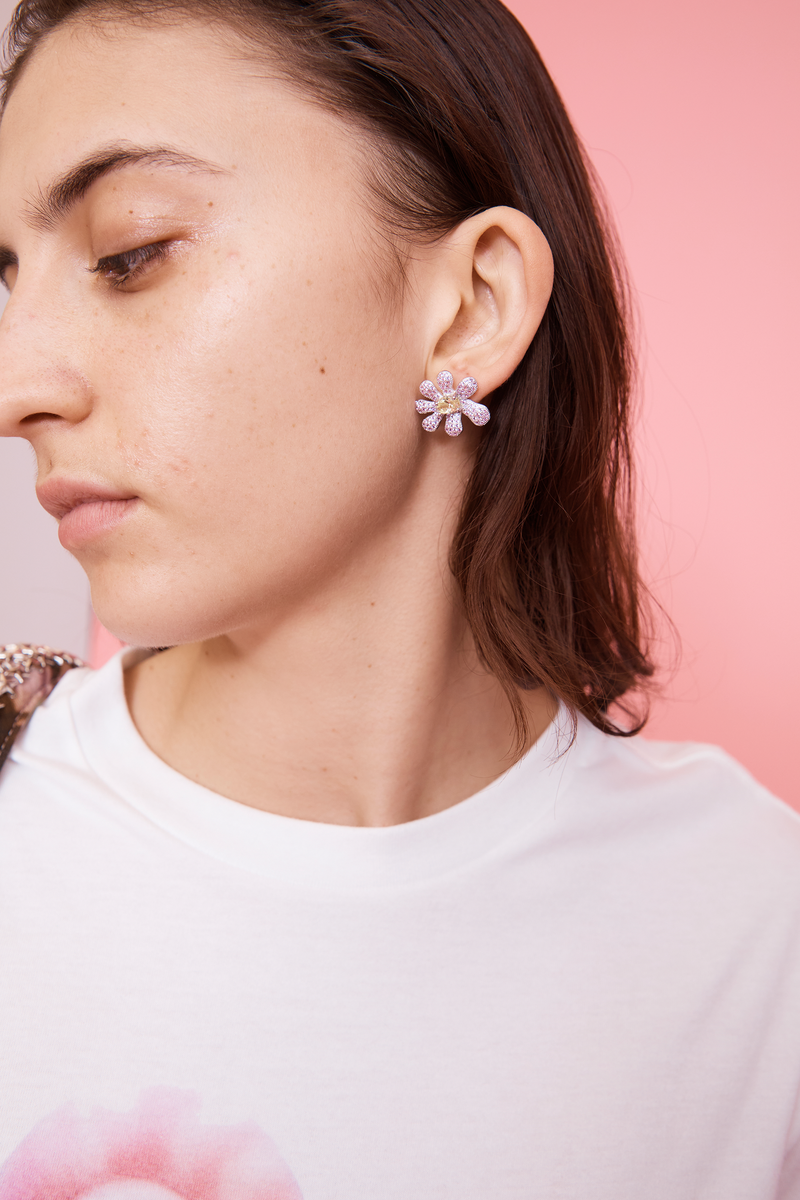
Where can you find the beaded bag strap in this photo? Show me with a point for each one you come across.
(28, 675)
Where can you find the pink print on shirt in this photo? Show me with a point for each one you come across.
(158, 1151)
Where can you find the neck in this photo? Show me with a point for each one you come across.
(366, 705)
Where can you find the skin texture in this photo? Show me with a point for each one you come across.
(254, 389)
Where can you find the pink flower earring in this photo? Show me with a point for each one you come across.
(449, 402)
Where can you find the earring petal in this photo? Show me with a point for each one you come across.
(425, 406)
(453, 424)
(468, 387)
(477, 413)
(445, 381)
(432, 422)
(429, 389)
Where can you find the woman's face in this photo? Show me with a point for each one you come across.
(246, 384)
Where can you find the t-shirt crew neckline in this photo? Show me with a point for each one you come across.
(309, 853)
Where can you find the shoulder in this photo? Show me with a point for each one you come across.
(688, 800)
(45, 742)
(675, 772)
(699, 773)
(28, 676)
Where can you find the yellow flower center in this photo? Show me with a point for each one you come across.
(448, 403)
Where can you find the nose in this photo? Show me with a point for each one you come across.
(41, 379)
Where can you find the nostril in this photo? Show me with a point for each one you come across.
(41, 416)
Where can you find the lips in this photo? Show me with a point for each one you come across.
(61, 496)
(159, 1149)
(85, 511)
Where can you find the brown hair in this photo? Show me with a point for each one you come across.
(469, 118)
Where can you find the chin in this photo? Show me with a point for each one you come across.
(148, 619)
(177, 601)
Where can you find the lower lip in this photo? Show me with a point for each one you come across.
(88, 521)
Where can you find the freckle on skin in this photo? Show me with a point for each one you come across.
(322, 370)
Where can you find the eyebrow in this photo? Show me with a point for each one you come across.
(55, 201)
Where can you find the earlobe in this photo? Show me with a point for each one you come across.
(501, 265)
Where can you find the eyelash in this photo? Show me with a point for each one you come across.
(121, 269)
(6, 261)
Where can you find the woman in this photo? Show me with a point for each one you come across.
(355, 890)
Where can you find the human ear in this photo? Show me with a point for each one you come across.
(493, 275)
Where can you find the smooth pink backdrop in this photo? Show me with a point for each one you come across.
(689, 111)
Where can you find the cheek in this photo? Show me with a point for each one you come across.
(266, 426)
(258, 351)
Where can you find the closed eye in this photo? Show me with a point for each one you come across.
(121, 269)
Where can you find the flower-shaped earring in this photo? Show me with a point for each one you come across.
(449, 402)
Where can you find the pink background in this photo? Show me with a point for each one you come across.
(690, 111)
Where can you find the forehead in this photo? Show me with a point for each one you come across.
(190, 85)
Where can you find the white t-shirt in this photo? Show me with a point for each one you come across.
(582, 983)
